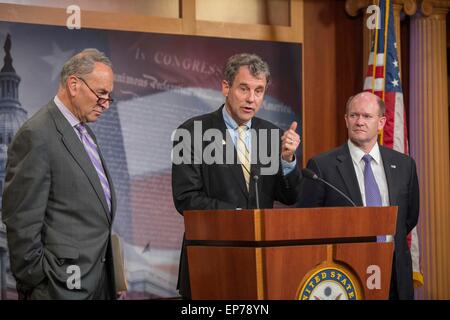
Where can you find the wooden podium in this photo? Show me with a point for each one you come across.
(316, 253)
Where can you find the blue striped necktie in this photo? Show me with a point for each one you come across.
(91, 149)
(373, 195)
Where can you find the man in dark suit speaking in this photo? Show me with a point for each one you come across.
(371, 175)
(218, 157)
(59, 201)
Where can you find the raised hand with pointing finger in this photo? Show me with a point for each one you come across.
(289, 143)
(207, 185)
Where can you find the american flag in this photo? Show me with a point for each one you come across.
(383, 79)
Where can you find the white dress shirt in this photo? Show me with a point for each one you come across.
(377, 167)
(73, 120)
(232, 126)
(378, 171)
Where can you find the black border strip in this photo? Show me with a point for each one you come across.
(278, 243)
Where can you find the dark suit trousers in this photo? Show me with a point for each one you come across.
(104, 291)
(393, 292)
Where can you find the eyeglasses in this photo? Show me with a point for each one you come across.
(100, 101)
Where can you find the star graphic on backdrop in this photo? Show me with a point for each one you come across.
(395, 82)
(395, 63)
(56, 59)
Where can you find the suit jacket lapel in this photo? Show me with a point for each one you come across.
(111, 187)
(235, 169)
(255, 168)
(76, 149)
(108, 176)
(347, 171)
(389, 171)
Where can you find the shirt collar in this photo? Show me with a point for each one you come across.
(229, 121)
(357, 154)
(66, 112)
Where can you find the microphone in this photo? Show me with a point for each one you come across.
(255, 178)
(312, 175)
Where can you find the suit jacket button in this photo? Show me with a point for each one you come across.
(103, 260)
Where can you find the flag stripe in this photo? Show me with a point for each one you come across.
(379, 71)
(380, 59)
(384, 81)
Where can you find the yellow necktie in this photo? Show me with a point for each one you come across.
(243, 154)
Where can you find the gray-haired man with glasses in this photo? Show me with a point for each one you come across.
(59, 201)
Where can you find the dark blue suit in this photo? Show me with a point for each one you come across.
(222, 186)
(336, 167)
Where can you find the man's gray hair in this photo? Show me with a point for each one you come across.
(381, 105)
(257, 66)
(83, 63)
